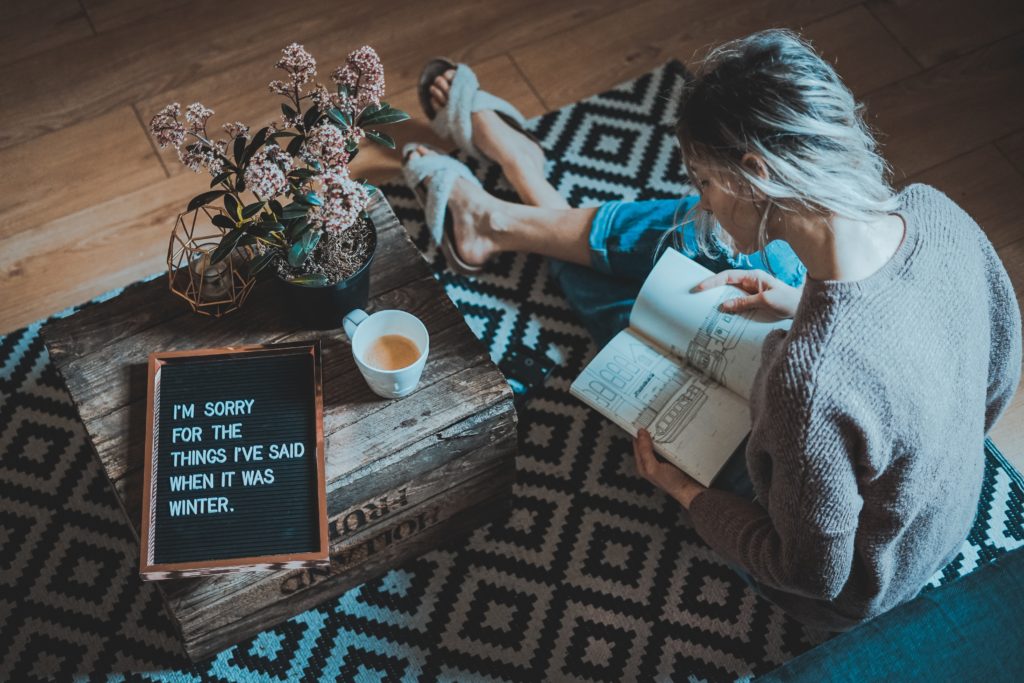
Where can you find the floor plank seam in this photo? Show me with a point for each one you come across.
(152, 143)
(906, 50)
(88, 19)
(528, 81)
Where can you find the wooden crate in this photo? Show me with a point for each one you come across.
(403, 476)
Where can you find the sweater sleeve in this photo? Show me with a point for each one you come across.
(803, 541)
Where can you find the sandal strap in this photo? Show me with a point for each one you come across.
(441, 171)
(464, 98)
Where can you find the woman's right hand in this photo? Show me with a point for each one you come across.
(765, 292)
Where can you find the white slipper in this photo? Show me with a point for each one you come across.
(440, 171)
(455, 121)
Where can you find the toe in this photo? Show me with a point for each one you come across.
(438, 97)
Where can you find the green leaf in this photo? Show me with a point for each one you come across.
(227, 243)
(300, 250)
(343, 90)
(251, 209)
(222, 221)
(239, 183)
(339, 117)
(257, 142)
(297, 228)
(294, 211)
(275, 207)
(232, 206)
(301, 173)
(261, 261)
(310, 198)
(220, 178)
(314, 280)
(263, 228)
(288, 111)
(310, 118)
(238, 149)
(384, 117)
(282, 134)
(204, 199)
(382, 138)
(295, 145)
(370, 188)
(368, 110)
(352, 154)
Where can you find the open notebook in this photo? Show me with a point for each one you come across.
(683, 369)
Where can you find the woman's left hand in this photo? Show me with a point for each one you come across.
(665, 476)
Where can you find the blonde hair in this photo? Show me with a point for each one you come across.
(772, 95)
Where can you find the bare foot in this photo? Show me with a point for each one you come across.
(513, 151)
(472, 211)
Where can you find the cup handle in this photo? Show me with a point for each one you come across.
(352, 321)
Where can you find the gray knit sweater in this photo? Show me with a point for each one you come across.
(869, 415)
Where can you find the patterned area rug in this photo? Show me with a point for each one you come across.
(593, 576)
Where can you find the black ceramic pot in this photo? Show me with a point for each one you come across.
(323, 308)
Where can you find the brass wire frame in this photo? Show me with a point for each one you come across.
(186, 247)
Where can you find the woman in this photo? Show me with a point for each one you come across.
(868, 416)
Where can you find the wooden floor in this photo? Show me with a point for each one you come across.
(88, 201)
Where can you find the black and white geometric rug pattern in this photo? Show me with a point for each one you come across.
(592, 576)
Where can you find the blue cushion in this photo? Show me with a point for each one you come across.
(968, 630)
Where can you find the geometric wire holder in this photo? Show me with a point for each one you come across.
(210, 289)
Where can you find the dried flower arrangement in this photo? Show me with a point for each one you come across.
(307, 208)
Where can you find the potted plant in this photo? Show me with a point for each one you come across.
(286, 190)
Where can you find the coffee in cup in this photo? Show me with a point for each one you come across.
(392, 352)
(390, 349)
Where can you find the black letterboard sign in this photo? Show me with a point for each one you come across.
(234, 473)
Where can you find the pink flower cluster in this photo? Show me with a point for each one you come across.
(299, 64)
(198, 156)
(267, 173)
(363, 75)
(344, 199)
(166, 127)
(326, 144)
(236, 129)
(197, 115)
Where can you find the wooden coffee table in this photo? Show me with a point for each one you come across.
(403, 476)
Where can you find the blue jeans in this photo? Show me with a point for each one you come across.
(623, 239)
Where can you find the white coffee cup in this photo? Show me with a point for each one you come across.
(363, 330)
